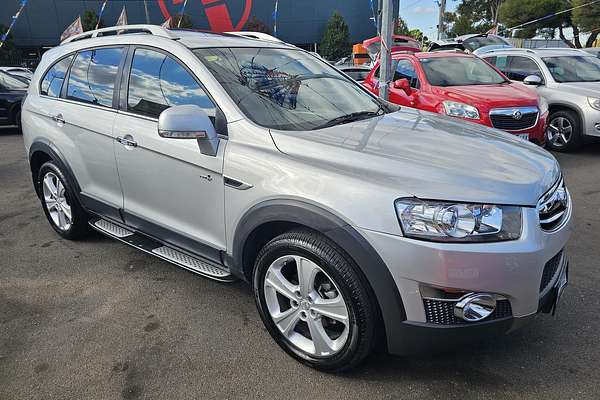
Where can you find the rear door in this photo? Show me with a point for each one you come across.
(404, 69)
(171, 190)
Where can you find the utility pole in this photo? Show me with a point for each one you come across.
(385, 53)
(441, 29)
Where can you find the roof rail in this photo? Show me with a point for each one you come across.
(508, 49)
(560, 49)
(122, 29)
(256, 35)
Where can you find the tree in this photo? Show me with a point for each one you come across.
(89, 21)
(587, 19)
(256, 25)
(401, 27)
(336, 39)
(473, 16)
(417, 34)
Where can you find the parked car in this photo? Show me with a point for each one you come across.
(12, 92)
(593, 50)
(469, 43)
(19, 72)
(568, 80)
(357, 72)
(356, 224)
(463, 86)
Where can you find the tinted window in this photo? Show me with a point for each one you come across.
(158, 82)
(574, 68)
(406, 70)
(460, 71)
(287, 88)
(93, 75)
(54, 78)
(521, 67)
(480, 41)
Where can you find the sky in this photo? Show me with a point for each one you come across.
(423, 14)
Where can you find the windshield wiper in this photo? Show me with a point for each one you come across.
(355, 116)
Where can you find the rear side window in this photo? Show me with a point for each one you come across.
(54, 78)
(93, 74)
(406, 70)
(501, 62)
(521, 67)
(158, 82)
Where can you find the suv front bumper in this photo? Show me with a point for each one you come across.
(512, 270)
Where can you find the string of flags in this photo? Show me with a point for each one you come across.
(3, 38)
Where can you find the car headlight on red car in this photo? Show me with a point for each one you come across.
(461, 110)
(443, 221)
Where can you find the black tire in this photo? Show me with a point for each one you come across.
(574, 139)
(79, 227)
(18, 121)
(334, 262)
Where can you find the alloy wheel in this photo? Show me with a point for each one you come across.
(559, 132)
(56, 202)
(306, 306)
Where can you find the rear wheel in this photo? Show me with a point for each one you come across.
(18, 121)
(313, 302)
(63, 211)
(564, 131)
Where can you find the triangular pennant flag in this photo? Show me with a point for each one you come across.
(122, 18)
(166, 24)
(74, 29)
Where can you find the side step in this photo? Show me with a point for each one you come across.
(192, 263)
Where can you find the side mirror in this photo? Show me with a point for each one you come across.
(403, 84)
(189, 122)
(533, 80)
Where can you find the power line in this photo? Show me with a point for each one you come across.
(552, 15)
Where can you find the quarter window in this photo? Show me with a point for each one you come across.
(93, 74)
(158, 82)
(406, 70)
(53, 80)
(521, 67)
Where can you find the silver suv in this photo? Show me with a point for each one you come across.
(358, 225)
(568, 80)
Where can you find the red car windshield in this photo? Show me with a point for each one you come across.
(460, 71)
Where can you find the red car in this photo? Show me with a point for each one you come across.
(464, 86)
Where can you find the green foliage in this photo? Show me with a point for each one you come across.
(336, 39)
(256, 25)
(89, 20)
(401, 27)
(418, 35)
(587, 19)
(473, 16)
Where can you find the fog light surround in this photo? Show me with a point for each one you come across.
(475, 307)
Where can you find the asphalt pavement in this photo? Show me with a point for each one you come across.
(97, 319)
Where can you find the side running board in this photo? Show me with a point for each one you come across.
(192, 263)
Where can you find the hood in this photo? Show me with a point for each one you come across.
(486, 97)
(416, 153)
(590, 89)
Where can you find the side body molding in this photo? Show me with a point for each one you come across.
(43, 145)
(340, 232)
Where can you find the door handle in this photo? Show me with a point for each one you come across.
(59, 119)
(127, 141)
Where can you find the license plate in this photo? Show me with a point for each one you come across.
(524, 136)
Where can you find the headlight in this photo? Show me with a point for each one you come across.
(458, 222)
(594, 103)
(461, 110)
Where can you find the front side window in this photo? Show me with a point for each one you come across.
(53, 80)
(11, 83)
(93, 74)
(406, 70)
(158, 82)
(574, 68)
(287, 89)
(521, 67)
(459, 71)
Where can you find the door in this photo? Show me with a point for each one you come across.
(85, 118)
(171, 190)
(405, 69)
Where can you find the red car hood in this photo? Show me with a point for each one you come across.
(486, 97)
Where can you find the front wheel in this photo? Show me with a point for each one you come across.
(564, 131)
(313, 302)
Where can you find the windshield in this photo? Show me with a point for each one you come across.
(10, 82)
(286, 89)
(460, 71)
(574, 68)
(480, 41)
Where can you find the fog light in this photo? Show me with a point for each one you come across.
(475, 307)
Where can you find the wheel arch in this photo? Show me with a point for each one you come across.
(42, 151)
(269, 219)
(554, 107)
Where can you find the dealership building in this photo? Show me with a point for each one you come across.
(301, 22)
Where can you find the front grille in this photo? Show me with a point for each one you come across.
(553, 206)
(514, 119)
(550, 270)
(441, 312)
